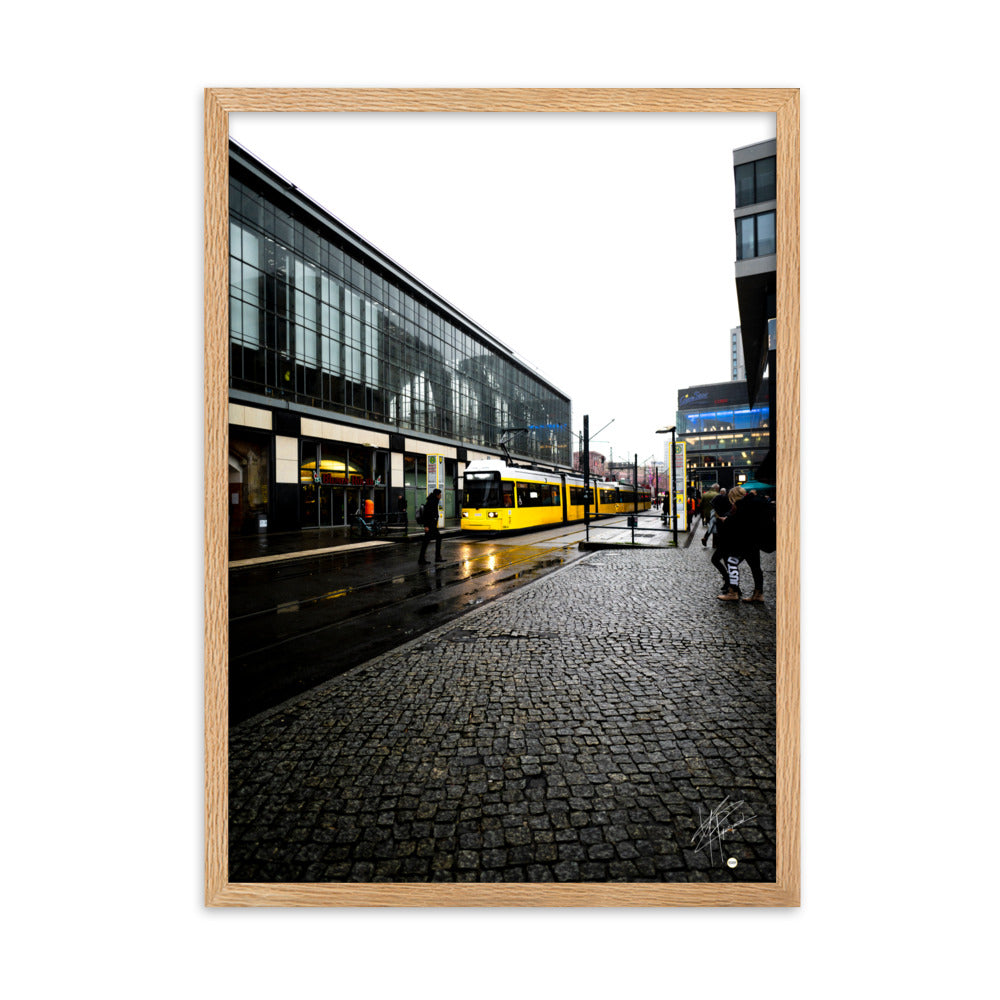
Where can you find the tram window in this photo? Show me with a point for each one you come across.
(507, 489)
(554, 499)
(482, 490)
(532, 495)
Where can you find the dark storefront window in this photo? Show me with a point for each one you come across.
(336, 479)
(249, 476)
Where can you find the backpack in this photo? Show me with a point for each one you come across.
(428, 514)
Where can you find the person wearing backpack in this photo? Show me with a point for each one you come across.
(428, 517)
(718, 509)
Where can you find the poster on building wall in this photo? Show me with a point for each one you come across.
(366, 699)
(680, 484)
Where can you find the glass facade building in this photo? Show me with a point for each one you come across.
(347, 366)
(727, 437)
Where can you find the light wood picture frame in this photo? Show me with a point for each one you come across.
(219, 104)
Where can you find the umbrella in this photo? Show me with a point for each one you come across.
(755, 485)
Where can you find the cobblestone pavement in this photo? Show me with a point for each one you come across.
(597, 725)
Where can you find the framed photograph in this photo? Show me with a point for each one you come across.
(555, 704)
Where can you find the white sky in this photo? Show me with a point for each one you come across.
(598, 247)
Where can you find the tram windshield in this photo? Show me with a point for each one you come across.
(482, 489)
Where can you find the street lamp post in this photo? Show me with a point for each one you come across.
(585, 437)
(673, 476)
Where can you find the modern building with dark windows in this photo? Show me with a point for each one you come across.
(350, 379)
(727, 436)
(755, 176)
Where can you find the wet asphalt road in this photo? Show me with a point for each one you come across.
(295, 624)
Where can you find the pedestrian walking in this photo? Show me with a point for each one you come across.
(718, 507)
(721, 510)
(428, 517)
(705, 507)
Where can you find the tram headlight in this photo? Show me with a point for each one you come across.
(492, 513)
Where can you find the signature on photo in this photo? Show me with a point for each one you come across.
(723, 819)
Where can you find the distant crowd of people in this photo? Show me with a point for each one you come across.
(741, 525)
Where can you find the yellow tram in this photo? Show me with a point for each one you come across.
(498, 496)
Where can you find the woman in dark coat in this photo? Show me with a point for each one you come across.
(721, 509)
(742, 533)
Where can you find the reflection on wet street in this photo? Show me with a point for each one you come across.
(296, 624)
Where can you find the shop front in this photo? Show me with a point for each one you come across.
(249, 479)
(336, 479)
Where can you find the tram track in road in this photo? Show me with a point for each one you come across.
(471, 568)
(276, 653)
(282, 624)
(286, 643)
(511, 551)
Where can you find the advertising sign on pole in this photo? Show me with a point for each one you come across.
(678, 477)
(435, 481)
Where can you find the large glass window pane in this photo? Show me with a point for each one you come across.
(375, 322)
(251, 325)
(352, 336)
(307, 461)
(235, 197)
(235, 318)
(331, 342)
(337, 261)
(352, 349)
(744, 238)
(744, 184)
(765, 175)
(235, 277)
(251, 284)
(251, 248)
(765, 234)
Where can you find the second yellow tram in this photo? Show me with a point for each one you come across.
(498, 496)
